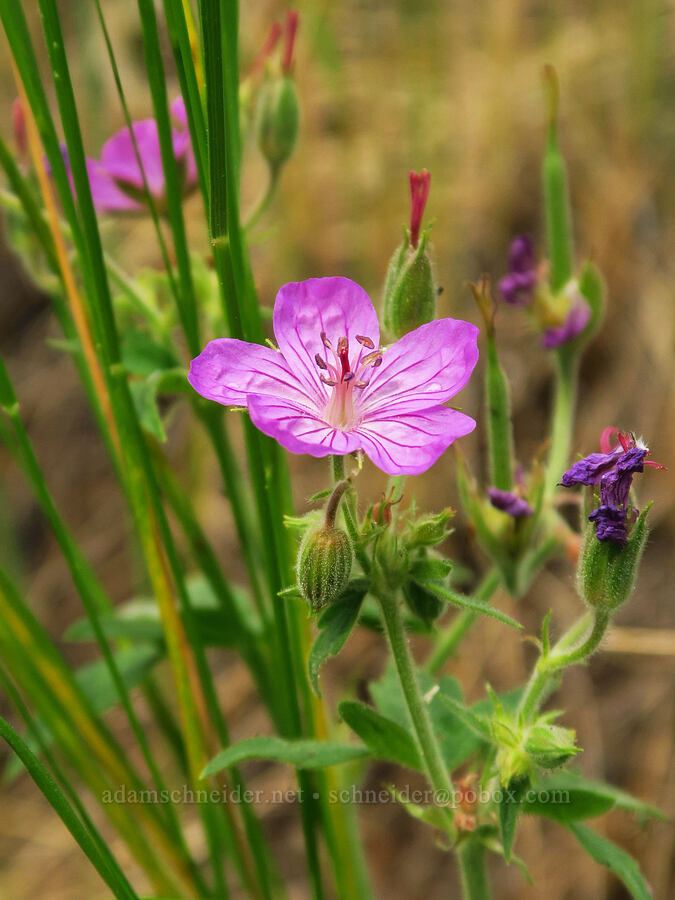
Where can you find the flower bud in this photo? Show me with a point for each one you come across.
(324, 563)
(431, 529)
(393, 560)
(550, 746)
(608, 571)
(278, 113)
(410, 289)
(278, 118)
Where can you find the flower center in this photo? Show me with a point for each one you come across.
(338, 373)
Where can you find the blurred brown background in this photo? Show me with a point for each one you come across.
(386, 86)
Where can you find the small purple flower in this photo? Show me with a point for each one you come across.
(519, 285)
(613, 469)
(330, 388)
(510, 503)
(116, 180)
(575, 322)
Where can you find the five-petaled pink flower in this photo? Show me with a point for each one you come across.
(331, 389)
(116, 179)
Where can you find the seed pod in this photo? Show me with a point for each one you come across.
(324, 563)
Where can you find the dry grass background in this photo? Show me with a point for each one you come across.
(452, 86)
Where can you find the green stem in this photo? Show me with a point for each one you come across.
(264, 201)
(349, 513)
(448, 641)
(499, 419)
(437, 773)
(473, 870)
(566, 377)
(558, 659)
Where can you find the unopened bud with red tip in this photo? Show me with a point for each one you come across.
(410, 290)
(325, 558)
(278, 113)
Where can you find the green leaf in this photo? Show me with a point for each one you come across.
(567, 804)
(335, 626)
(304, 754)
(431, 815)
(466, 602)
(142, 355)
(474, 722)
(592, 288)
(430, 568)
(456, 738)
(138, 620)
(617, 860)
(144, 395)
(509, 809)
(568, 796)
(385, 738)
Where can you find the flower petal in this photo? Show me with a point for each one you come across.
(303, 309)
(299, 429)
(423, 369)
(589, 470)
(409, 444)
(228, 370)
(119, 157)
(106, 195)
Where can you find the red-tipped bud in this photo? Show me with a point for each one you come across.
(267, 48)
(292, 22)
(419, 192)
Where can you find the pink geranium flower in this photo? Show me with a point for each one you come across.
(116, 180)
(331, 389)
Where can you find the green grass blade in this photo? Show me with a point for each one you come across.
(56, 799)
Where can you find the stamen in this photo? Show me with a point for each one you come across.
(320, 361)
(361, 384)
(324, 340)
(372, 359)
(365, 341)
(348, 376)
(329, 381)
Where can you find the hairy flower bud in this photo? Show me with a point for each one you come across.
(431, 529)
(324, 563)
(608, 571)
(550, 746)
(410, 290)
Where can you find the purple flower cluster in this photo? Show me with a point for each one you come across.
(613, 470)
(331, 389)
(519, 286)
(509, 502)
(116, 179)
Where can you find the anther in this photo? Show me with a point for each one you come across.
(365, 341)
(372, 359)
(325, 341)
(361, 384)
(329, 381)
(348, 376)
(320, 361)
